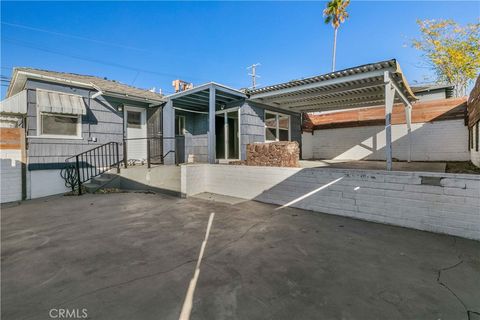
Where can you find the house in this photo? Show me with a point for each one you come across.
(65, 115)
(74, 121)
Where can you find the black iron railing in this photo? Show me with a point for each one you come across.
(89, 164)
(154, 151)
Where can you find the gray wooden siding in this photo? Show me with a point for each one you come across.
(252, 124)
(103, 121)
(196, 141)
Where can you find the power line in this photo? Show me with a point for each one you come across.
(254, 74)
(70, 36)
(113, 64)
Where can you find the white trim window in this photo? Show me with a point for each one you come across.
(179, 125)
(59, 115)
(57, 125)
(277, 126)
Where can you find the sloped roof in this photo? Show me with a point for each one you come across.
(105, 85)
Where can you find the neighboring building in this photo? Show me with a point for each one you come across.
(428, 92)
(474, 124)
(438, 130)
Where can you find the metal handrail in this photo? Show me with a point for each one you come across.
(90, 164)
(147, 139)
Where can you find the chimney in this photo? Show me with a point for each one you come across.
(180, 85)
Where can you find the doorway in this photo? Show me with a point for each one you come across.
(227, 134)
(136, 131)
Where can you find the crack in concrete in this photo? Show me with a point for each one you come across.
(118, 284)
(439, 281)
(241, 236)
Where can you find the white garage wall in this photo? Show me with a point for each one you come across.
(42, 183)
(10, 177)
(431, 141)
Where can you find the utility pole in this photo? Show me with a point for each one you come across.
(254, 74)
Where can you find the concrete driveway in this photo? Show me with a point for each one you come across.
(132, 256)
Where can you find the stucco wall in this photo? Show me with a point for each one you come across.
(431, 141)
(437, 202)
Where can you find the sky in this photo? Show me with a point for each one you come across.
(149, 44)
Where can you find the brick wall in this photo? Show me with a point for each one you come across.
(437, 202)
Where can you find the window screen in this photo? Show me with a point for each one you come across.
(134, 119)
(61, 125)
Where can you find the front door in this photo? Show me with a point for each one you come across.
(227, 134)
(136, 129)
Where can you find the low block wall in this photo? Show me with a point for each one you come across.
(442, 203)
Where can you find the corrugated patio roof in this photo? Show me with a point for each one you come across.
(349, 88)
(105, 85)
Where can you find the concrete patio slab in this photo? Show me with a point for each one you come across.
(132, 256)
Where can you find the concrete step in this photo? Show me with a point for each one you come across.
(104, 180)
(101, 180)
(91, 187)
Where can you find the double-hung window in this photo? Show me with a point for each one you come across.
(277, 126)
(59, 114)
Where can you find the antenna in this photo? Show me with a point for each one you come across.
(254, 74)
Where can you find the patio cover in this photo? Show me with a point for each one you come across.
(206, 99)
(375, 84)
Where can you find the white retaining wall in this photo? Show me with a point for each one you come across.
(431, 141)
(397, 198)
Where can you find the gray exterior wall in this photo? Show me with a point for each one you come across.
(103, 121)
(431, 95)
(252, 124)
(196, 141)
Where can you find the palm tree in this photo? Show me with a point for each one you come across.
(336, 13)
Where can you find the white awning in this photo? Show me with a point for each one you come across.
(16, 104)
(59, 102)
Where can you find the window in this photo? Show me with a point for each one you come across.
(60, 125)
(476, 135)
(277, 126)
(470, 138)
(134, 119)
(179, 125)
